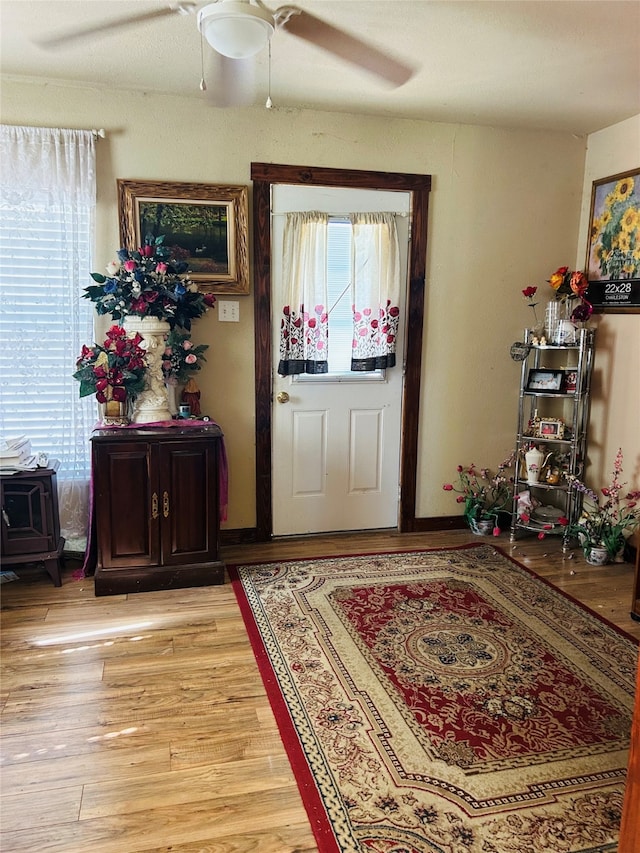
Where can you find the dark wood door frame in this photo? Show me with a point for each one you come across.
(264, 175)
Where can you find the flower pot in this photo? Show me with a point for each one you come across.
(115, 412)
(596, 555)
(482, 526)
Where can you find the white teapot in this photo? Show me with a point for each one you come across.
(535, 461)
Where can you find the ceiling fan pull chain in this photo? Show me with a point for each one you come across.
(203, 84)
(269, 103)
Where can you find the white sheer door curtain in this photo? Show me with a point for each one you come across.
(375, 293)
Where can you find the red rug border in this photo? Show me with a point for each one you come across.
(309, 794)
(568, 596)
(320, 823)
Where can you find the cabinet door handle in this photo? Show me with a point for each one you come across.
(154, 505)
(165, 504)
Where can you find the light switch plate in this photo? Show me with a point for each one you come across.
(228, 312)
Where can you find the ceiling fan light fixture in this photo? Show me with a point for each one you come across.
(236, 28)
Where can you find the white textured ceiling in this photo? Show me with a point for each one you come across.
(571, 65)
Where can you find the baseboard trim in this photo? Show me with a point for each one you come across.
(248, 535)
(239, 536)
(440, 522)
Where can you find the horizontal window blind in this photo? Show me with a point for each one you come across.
(42, 317)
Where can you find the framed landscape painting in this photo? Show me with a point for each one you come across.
(613, 247)
(205, 225)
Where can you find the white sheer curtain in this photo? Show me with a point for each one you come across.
(375, 290)
(47, 209)
(304, 322)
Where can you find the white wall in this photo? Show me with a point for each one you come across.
(615, 410)
(504, 214)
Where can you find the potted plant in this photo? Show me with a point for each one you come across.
(113, 371)
(180, 359)
(607, 519)
(487, 497)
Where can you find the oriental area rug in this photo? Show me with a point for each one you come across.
(443, 701)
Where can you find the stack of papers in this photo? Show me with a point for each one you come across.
(16, 455)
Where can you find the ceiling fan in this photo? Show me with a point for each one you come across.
(239, 29)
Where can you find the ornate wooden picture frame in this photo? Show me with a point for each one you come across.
(613, 248)
(206, 223)
(550, 428)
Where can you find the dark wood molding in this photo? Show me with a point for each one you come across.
(248, 535)
(263, 358)
(239, 536)
(264, 175)
(441, 522)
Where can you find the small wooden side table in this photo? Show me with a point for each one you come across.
(30, 520)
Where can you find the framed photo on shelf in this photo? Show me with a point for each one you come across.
(570, 380)
(545, 381)
(206, 224)
(550, 428)
(613, 247)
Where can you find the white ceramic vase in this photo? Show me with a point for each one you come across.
(152, 405)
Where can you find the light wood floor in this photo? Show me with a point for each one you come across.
(139, 722)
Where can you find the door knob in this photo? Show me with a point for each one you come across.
(282, 397)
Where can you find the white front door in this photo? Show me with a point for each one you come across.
(336, 437)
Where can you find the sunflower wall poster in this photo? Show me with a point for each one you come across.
(613, 250)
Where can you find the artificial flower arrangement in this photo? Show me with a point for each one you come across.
(569, 285)
(113, 370)
(149, 282)
(484, 495)
(606, 523)
(181, 357)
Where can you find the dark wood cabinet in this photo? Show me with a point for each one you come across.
(156, 504)
(30, 520)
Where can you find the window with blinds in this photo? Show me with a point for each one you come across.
(41, 315)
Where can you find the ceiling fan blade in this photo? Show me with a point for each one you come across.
(62, 39)
(229, 82)
(350, 48)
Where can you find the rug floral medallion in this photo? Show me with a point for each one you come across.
(444, 702)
